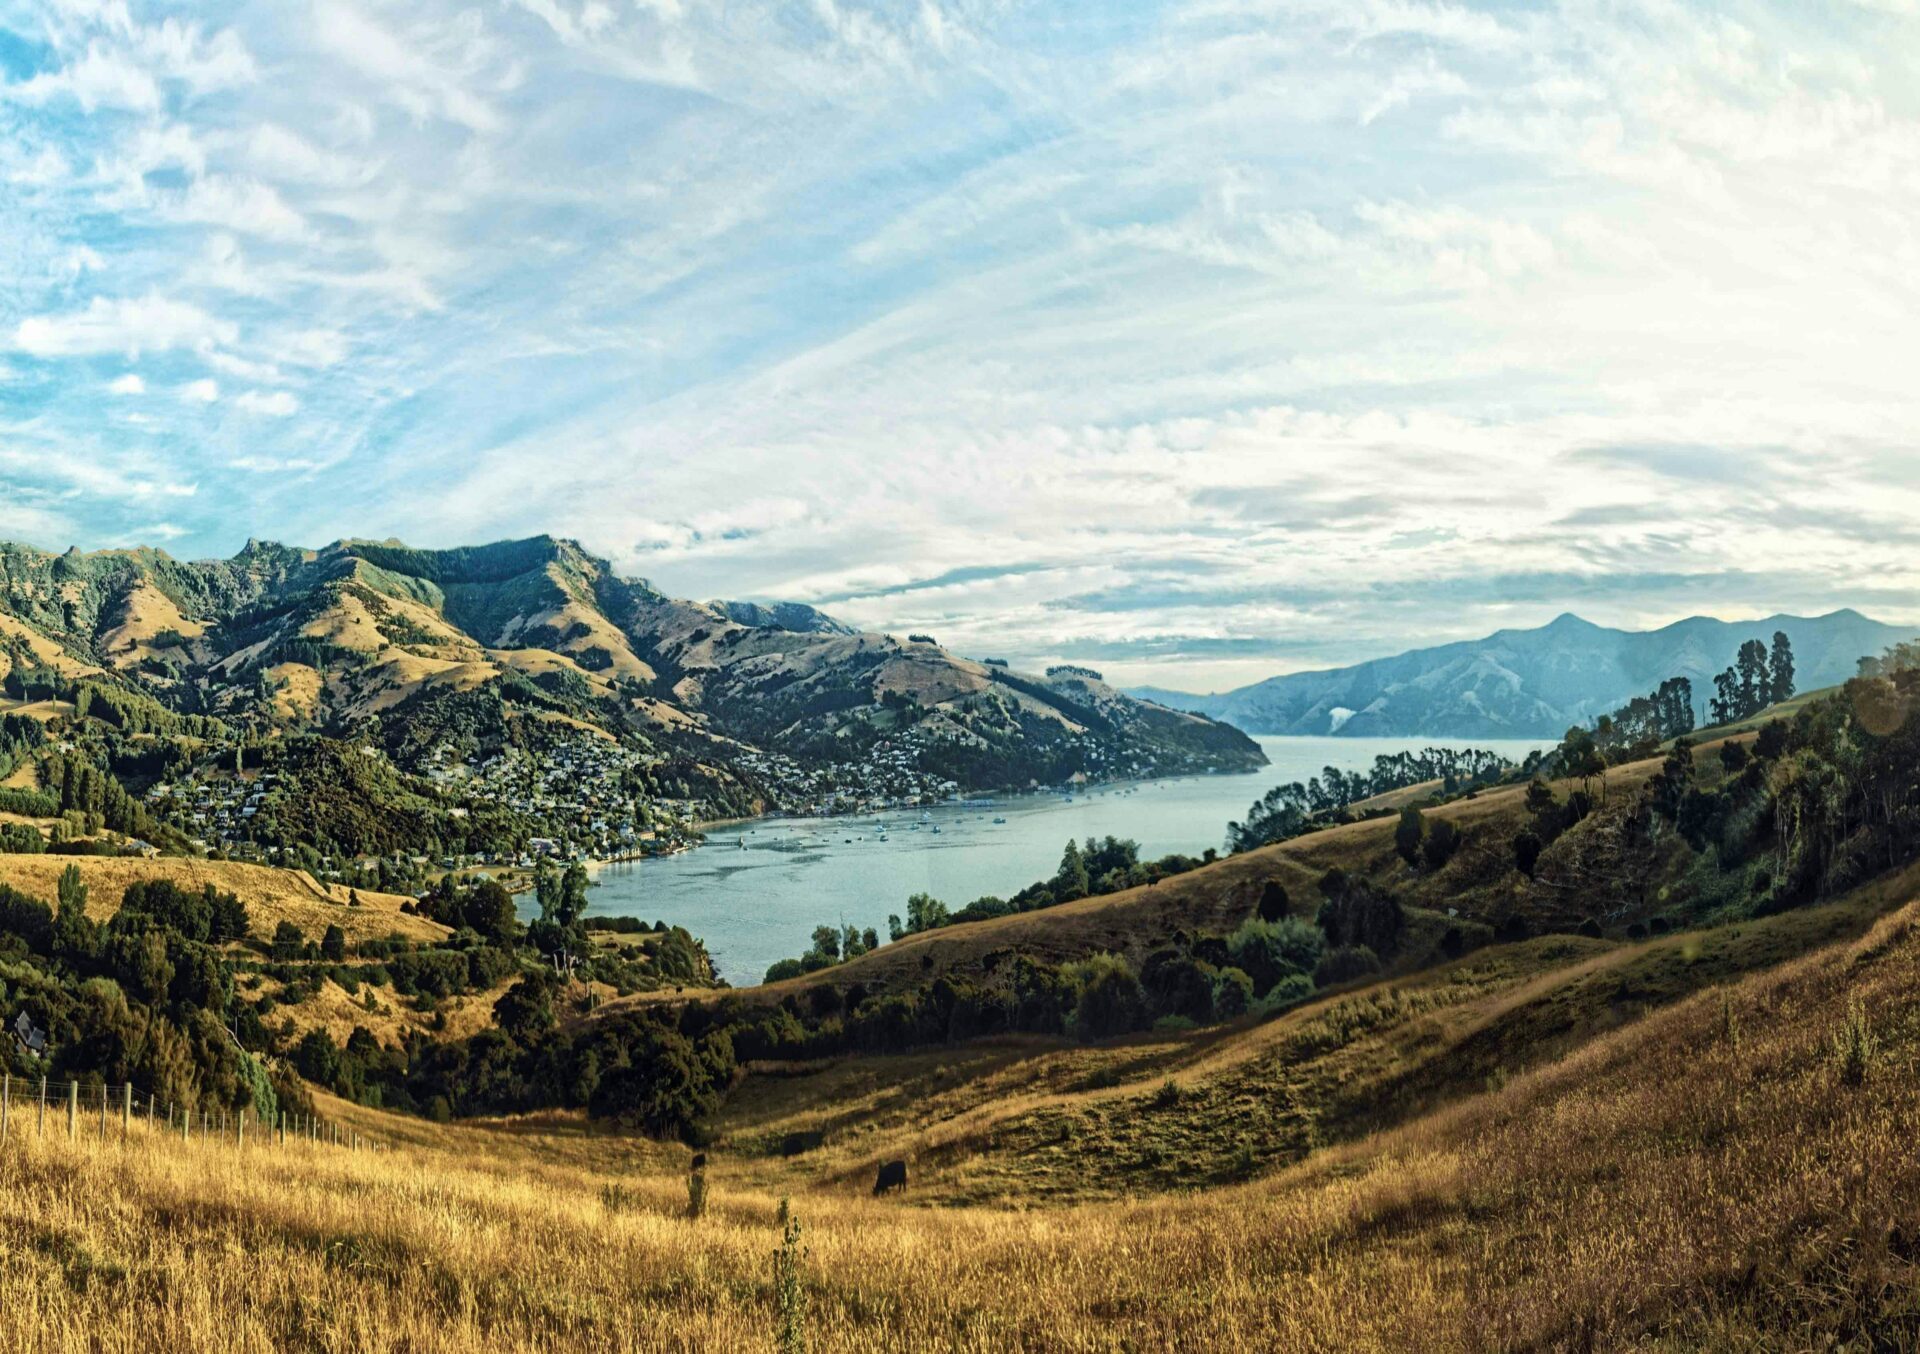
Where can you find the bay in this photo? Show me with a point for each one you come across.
(756, 890)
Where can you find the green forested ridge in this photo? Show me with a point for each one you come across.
(383, 645)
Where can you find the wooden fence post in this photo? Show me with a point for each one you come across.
(41, 1125)
(126, 1110)
(6, 1093)
(186, 1124)
(73, 1110)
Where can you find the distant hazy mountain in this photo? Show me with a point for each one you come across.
(1530, 683)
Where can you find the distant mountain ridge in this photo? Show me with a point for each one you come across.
(422, 650)
(1530, 683)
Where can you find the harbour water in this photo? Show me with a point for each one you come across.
(756, 890)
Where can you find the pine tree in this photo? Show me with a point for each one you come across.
(1780, 669)
(1754, 679)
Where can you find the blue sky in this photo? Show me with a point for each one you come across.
(1201, 340)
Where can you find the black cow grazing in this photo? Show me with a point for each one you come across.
(893, 1175)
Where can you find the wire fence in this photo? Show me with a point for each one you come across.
(97, 1111)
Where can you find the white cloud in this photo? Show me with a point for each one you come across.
(284, 155)
(245, 205)
(1233, 322)
(315, 348)
(129, 384)
(203, 391)
(230, 364)
(103, 78)
(276, 404)
(181, 52)
(153, 323)
(412, 77)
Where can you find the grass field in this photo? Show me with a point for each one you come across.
(1712, 1172)
(272, 895)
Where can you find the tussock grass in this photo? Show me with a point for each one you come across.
(272, 895)
(1640, 1179)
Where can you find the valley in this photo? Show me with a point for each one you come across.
(1207, 1060)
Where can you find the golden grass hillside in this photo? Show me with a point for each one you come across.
(1013, 1121)
(1732, 1170)
(271, 895)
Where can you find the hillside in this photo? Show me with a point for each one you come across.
(272, 896)
(473, 671)
(1530, 683)
(1544, 1172)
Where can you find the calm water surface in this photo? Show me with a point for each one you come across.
(755, 891)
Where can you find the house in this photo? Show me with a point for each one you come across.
(31, 1039)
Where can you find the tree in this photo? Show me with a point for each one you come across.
(288, 941)
(1526, 851)
(560, 932)
(1580, 758)
(317, 1058)
(526, 1009)
(666, 1087)
(488, 909)
(1111, 1001)
(925, 913)
(1754, 679)
(1676, 777)
(1267, 951)
(333, 944)
(74, 934)
(1442, 842)
(1780, 669)
(1274, 903)
(1071, 880)
(1407, 834)
(1355, 914)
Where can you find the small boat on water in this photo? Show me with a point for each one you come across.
(1000, 820)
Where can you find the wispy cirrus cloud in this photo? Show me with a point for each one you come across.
(1200, 337)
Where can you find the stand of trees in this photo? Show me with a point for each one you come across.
(1756, 679)
(1638, 728)
(1288, 810)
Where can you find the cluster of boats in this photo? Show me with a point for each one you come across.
(879, 830)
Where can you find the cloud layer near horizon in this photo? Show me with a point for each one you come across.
(1202, 339)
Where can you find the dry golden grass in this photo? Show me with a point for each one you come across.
(46, 651)
(271, 895)
(296, 690)
(392, 1017)
(1704, 1177)
(148, 612)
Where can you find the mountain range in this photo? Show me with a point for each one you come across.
(1530, 683)
(414, 648)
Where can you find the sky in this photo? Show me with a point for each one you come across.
(1198, 341)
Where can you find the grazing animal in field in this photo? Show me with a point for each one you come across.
(893, 1175)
